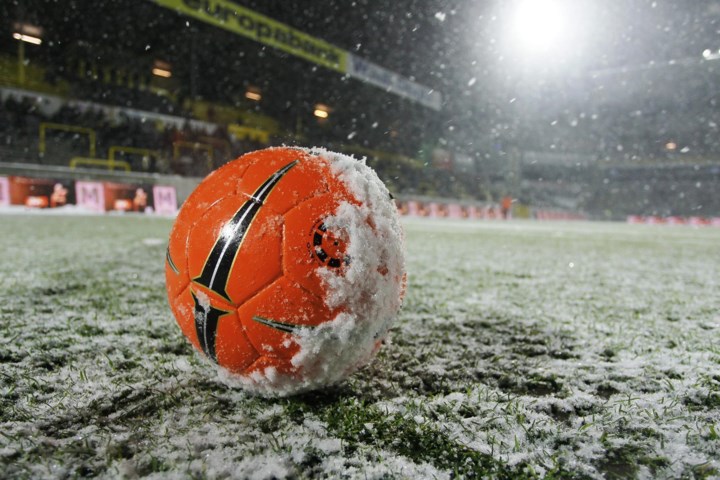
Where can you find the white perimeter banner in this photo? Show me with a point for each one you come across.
(165, 200)
(90, 195)
(392, 82)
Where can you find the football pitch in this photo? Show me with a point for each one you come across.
(523, 350)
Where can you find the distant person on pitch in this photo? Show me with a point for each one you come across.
(506, 206)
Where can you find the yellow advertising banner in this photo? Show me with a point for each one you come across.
(245, 22)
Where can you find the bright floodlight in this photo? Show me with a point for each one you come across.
(539, 25)
(27, 38)
(321, 111)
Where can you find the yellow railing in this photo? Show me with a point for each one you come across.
(219, 144)
(45, 126)
(242, 132)
(109, 163)
(146, 152)
(194, 146)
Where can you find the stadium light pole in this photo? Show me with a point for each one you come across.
(21, 63)
(25, 33)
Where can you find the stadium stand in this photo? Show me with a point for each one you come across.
(187, 149)
(598, 155)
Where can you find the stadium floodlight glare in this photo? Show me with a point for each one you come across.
(27, 33)
(253, 94)
(321, 111)
(27, 38)
(161, 73)
(539, 25)
(162, 69)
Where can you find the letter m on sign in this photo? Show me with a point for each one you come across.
(90, 195)
(165, 200)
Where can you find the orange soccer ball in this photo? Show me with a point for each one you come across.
(285, 268)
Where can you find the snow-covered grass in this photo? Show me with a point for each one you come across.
(553, 350)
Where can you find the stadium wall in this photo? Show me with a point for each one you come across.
(182, 185)
(115, 190)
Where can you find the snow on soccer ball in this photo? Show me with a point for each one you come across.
(285, 267)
